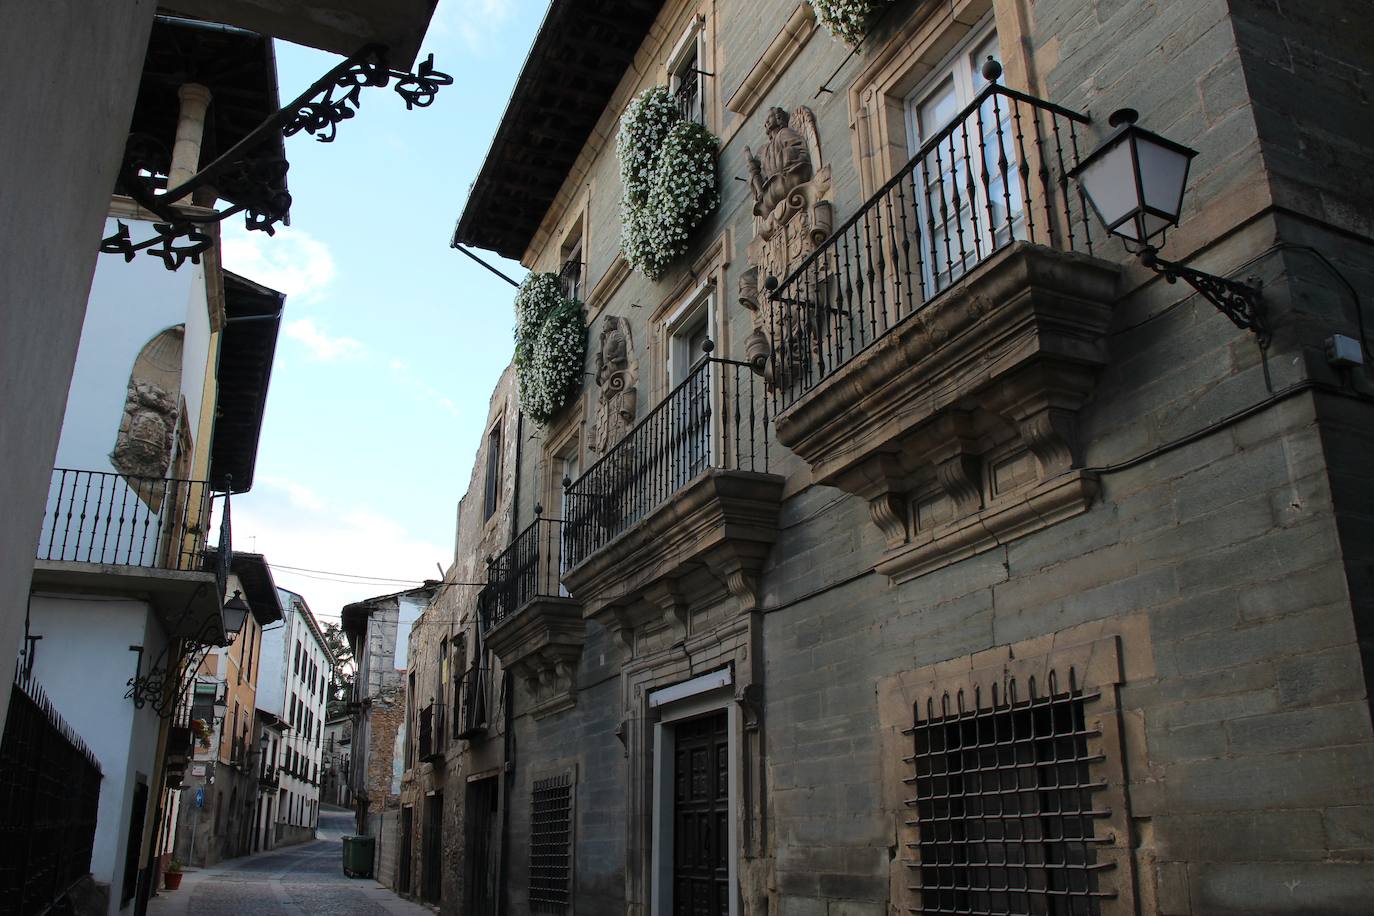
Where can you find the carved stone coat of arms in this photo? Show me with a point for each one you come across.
(792, 216)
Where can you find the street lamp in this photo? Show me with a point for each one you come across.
(235, 614)
(1134, 181)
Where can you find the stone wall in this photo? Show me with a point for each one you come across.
(386, 718)
(1224, 565)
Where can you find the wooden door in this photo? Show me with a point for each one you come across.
(701, 817)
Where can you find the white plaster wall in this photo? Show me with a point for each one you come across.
(409, 611)
(195, 352)
(130, 303)
(63, 136)
(271, 666)
(83, 663)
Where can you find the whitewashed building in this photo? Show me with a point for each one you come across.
(294, 686)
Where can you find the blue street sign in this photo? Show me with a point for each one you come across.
(200, 798)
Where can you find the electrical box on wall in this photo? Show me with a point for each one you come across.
(1343, 351)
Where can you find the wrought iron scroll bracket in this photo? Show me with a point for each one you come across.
(1239, 301)
(152, 687)
(318, 111)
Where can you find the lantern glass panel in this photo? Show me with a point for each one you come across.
(1109, 182)
(1163, 172)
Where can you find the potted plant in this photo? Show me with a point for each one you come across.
(172, 877)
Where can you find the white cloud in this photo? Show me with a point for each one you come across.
(292, 261)
(320, 344)
(297, 494)
(334, 538)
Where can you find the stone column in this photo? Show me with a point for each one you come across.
(195, 99)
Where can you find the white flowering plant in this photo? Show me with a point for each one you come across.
(550, 346)
(847, 20)
(668, 175)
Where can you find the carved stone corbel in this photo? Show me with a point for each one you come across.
(954, 453)
(1052, 436)
(880, 481)
(750, 700)
(742, 581)
(889, 512)
(1042, 402)
(668, 598)
(621, 626)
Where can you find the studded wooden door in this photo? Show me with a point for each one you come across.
(701, 817)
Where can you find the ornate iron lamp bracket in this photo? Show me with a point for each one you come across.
(1238, 301)
(318, 111)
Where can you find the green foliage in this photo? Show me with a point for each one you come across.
(847, 20)
(668, 176)
(550, 346)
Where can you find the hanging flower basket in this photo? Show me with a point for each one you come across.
(668, 175)
(847, 20)
(550, 346)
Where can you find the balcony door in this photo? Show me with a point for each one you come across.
(688, 419)
(571, 468)
(969, 190)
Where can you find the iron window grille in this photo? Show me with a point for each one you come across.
(570, 275)
(1004, 807)
(550, 877)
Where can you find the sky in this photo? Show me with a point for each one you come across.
(391, 341)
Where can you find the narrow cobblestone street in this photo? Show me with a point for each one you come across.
(304, 880)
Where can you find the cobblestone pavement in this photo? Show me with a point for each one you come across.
(304, 880)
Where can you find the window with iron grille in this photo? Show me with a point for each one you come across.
(551, 844)
(1004, 807)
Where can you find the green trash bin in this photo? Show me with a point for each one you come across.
(357, 856)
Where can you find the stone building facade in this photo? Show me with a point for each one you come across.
(975, 569)
(378, 633)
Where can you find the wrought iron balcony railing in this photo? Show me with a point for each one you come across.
(269, 778)
(471, 720)
(117, 520)
(997, 173)
(529, 568)
(716, 418)
(432, 731)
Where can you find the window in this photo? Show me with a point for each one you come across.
(1004, 807)
(685, 76)
(570, 273)
(691, 395)
(550, 844)
(493, 482)
(970, 189)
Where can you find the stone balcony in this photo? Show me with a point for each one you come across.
(958, 425)
(681, 513)
(932, 354)
(530, 622)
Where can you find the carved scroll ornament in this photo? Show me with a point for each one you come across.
(617, 373)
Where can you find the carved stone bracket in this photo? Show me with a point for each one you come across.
(970, 407)
(540, 644)
(713, 537)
